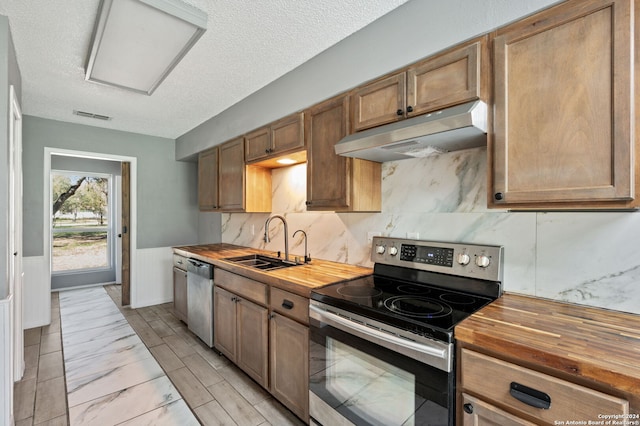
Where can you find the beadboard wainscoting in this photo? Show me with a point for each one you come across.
(568, 256)
(154, 277)
(36, 292)
(6, 361)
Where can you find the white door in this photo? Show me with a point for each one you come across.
(15, 232)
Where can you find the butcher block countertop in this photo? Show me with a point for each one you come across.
(299, 279)
(594, 347)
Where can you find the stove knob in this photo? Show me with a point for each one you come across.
(393, 251)
(380, 249)
(483, 261)
(463, 259)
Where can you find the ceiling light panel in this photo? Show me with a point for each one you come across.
(137, 43)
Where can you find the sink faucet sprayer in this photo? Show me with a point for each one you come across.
(286, 234)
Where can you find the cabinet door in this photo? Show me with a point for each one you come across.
(287, 134)
(479, 413)
(232, 175)
(253, 340)
(208, 179)
(378, 103)
(563, 106)
(180, 294)
(224, 323)
(258, 144)
(327, 173)
(289, 361)
(448, 79)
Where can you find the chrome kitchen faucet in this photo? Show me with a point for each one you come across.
(286, 234)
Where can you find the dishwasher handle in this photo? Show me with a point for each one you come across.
(202, 269)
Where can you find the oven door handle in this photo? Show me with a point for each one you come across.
(437, 357)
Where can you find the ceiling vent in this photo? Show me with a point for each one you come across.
(91, 115)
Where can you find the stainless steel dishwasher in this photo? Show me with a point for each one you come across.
(200, 299)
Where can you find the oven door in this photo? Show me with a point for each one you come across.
(363, 376)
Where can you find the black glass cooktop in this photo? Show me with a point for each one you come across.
(421, 307)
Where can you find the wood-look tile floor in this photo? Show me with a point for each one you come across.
(100, 363)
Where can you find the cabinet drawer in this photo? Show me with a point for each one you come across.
(492, 378)
(245, 287)
(291, 305)
(180, 262)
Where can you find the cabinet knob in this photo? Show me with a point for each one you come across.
(266, 151)
(468, 408)
(399, 112)
(498, 196)
(287, 304)
(308, 203)
(409, 108)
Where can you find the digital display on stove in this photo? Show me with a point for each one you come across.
(425, 254)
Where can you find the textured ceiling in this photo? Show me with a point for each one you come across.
(248, 44)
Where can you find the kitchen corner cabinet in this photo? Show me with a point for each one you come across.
(208, 179)
(281, 137)
(335, 182)
(495, 391)
(242, 188)
(450, 78)
(564, 101)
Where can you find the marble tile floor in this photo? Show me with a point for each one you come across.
(98, 363)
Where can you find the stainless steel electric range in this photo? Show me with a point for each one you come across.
(382, 346)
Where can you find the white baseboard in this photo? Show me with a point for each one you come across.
(154, 277)
(36, 295)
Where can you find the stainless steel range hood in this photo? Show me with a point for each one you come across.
(452, 129)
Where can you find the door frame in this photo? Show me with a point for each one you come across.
(48, 152)
(16, 275)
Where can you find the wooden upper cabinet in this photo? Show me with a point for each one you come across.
(335, 182)
(454, 77)
(287, 134)
(449, 78)
(257, 144)
(242, 188)
(563, 120)
(280, 137)
(380, 102)
(208, 179)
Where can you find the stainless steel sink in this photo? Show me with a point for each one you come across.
(261, 262)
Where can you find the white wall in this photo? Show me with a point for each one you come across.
(587, 258)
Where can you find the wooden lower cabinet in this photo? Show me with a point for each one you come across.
(253, 340)
(289, 363)
(500, 392)
(180, 294)
(476, 412)
(180, 287)
(241, 333)
(224, 322)
(265, 332)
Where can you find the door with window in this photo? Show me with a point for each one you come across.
(82, 229)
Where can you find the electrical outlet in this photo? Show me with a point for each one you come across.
(253, 230)
(413, 235)
(372, 234)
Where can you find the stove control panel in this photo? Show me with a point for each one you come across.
(425, 254)
(469, 260)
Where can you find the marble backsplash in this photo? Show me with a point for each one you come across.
(585, 258)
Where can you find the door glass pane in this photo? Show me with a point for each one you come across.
(81, 229)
